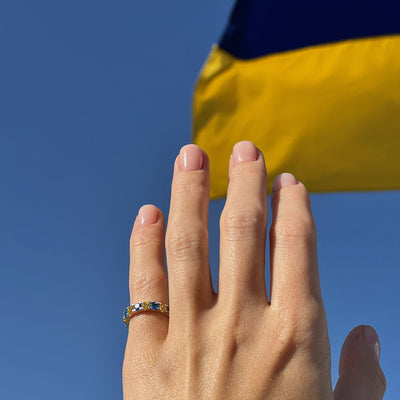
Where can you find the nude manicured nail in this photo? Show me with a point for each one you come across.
(244, 151)
(191, 158)
(371, 339)
(148, 215)
(282, 180)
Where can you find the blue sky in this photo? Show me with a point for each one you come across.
(95, 102)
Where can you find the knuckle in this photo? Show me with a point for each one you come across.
(248, 171)
(243, 223)
(294, 231)
(303, 324)
(190, 183)
(142, 238)
(144, 282)
(295, 193)
(187, 243)
(284, 330)
(312, 322)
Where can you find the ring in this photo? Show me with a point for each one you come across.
(144, 306)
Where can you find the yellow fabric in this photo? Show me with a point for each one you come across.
(330, 114)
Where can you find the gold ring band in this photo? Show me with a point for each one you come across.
(144, 306)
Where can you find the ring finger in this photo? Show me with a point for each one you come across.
(147, 275)
(243, 228)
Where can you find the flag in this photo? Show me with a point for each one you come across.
(314, 84)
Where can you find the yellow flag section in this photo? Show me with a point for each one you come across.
(330, 113)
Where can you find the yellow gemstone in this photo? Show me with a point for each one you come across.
(146, 305)
(163, 308)
(130, 309)
(125, 320)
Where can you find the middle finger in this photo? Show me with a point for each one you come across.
(190, 285)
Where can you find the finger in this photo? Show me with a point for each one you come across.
(189, 274)
(147, 276)
(293, 245)
(360, 375)
(243, 227)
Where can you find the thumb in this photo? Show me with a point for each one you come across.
(360, 375)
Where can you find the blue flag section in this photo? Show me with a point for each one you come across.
(260, 27)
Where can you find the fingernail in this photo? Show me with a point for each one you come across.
(148, 215)
(244, 151)
(191, 158)
(371, 339)
(282, 180)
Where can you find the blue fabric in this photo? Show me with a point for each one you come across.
(260, 27)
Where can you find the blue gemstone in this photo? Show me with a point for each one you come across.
(126, 314)
(138, 306)
(154, 305)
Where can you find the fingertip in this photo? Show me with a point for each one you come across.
(360, 374)
(284, 179)
(148, 214)
(294, 192)
(244, 151)
(371, 339)
(347, 351)
(192, 158)
(362, 341)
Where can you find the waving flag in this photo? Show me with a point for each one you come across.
(314, 84)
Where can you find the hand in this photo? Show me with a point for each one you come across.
(236, 344)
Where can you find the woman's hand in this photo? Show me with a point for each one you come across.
(236, 344)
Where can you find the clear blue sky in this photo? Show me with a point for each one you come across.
(95, 100)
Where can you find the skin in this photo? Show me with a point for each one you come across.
(236, 344)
